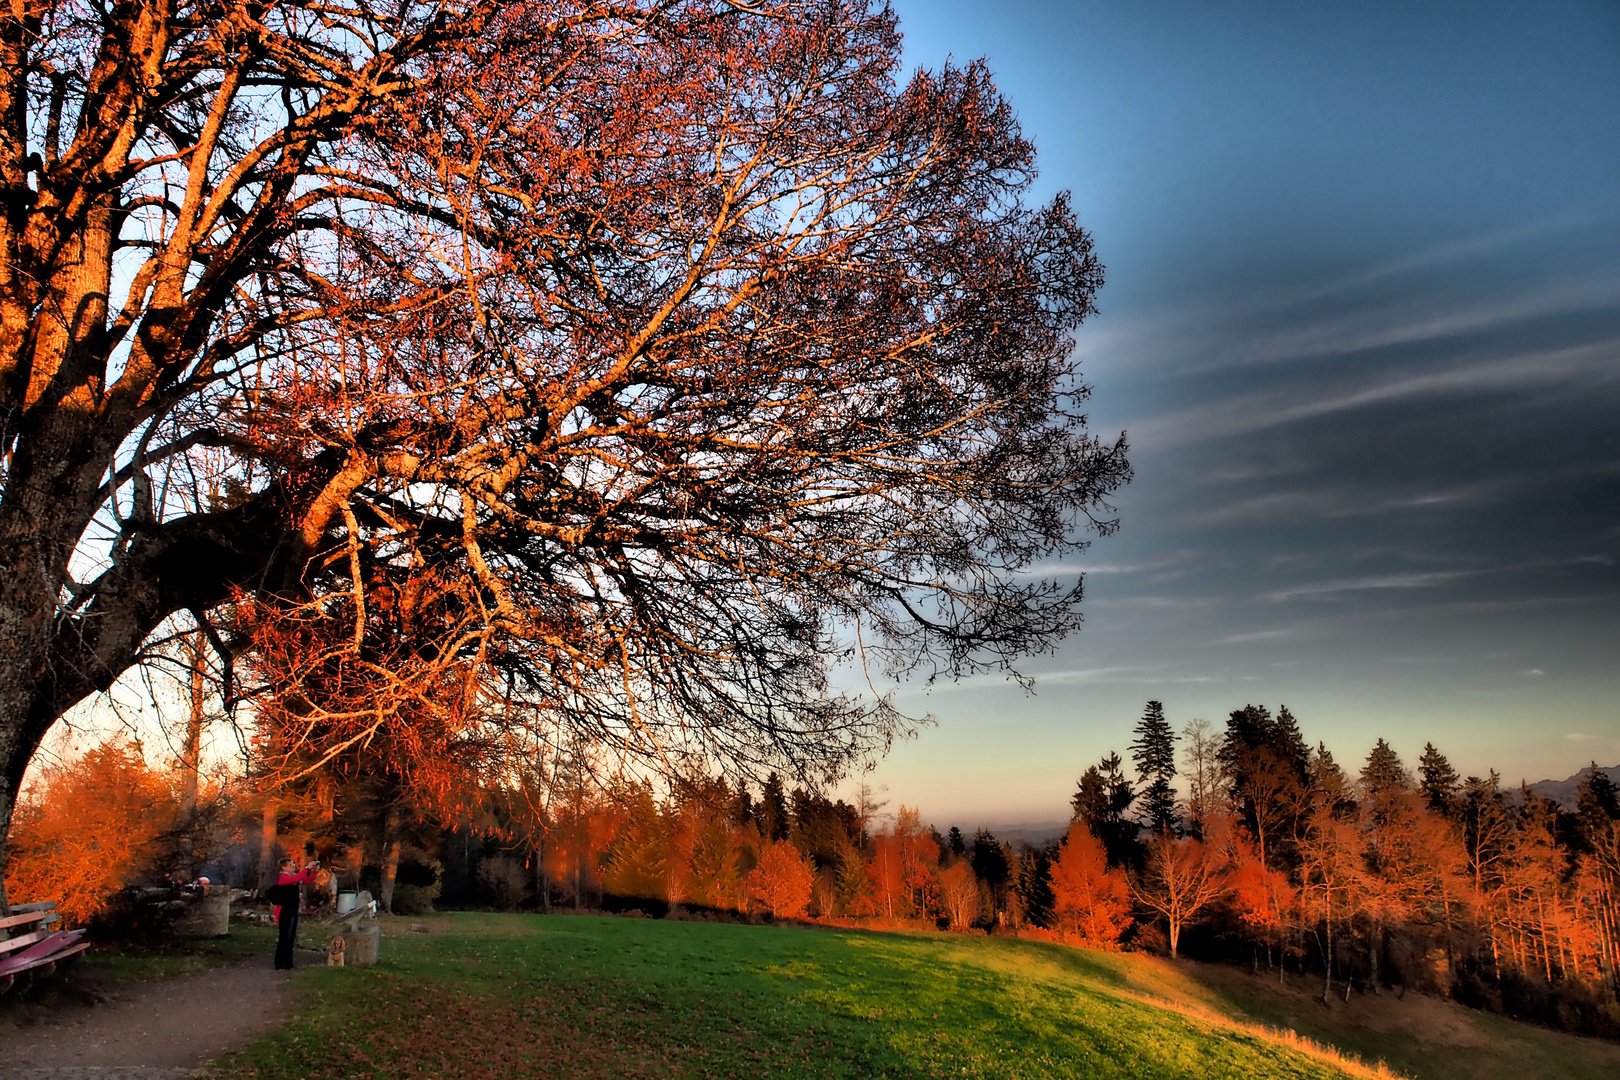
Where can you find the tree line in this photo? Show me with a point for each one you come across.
(1242, 843)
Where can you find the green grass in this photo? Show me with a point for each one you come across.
(487, 996)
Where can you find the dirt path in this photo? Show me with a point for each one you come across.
(149, 1031)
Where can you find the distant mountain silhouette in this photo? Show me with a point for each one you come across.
(1034, 833)
(1565, 792)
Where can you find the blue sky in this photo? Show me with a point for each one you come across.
(1362, 325)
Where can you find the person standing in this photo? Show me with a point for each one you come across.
(285, 896)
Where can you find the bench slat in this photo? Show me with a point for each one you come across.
(38, 905)
(24, 919)
(22, 941)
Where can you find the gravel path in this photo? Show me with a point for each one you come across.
(149, 1031)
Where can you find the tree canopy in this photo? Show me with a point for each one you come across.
(607, 368)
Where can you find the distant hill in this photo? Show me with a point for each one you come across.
(1564, 792)
(1035, 833)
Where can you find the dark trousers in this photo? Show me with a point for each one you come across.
(288, 927)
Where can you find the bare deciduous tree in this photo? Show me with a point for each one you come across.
(617, 362)
(1182, 878)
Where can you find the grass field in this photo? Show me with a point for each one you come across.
(482, 997)
(487, 996)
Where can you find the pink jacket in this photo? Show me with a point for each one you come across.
(306, 874)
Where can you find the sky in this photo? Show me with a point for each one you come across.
(1361, 326)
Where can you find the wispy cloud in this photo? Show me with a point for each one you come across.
(1437, 256)
(1258, 635)
(1314, 336)
(1342, 316)
(1425, 580)
(1339, 501)
(1259, 410)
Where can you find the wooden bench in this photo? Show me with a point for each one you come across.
(30, 946)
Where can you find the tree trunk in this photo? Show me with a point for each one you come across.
(1327, 951)
(191, 751)
(268, 853)
(1377, 948)
(390, 869)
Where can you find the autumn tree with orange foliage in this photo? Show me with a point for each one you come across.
(782, 882)
(749, 339)
(88, 828)
(885, 869)
(1262, 898)
(1092, 902)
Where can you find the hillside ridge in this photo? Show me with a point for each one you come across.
(1566, 792)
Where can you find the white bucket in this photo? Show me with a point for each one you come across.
(345, 903)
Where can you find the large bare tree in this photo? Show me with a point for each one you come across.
(624, 362)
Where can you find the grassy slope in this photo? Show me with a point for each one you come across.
(1423, 1037)
(487, 996)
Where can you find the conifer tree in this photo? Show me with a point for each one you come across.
(1597, 807)
(1598, 797)
(1289, 744)
(1032, 884)
(1383, 775)
(1154, 753)
(989, 858)
(1264, 766)
(1101, 803)
(1440, 781)
(1487, 829)
(1329, 788)
(773, 810)
(1089, 802)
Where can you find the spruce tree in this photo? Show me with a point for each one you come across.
(773, 810)
(1289, 744)
(1090, 799)
(1597, 807)
(989, 859)
(1440, 781)
(1383, 775)
(1264, 766)
(1328, 786)
(1102, 802)
(1154, 753)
